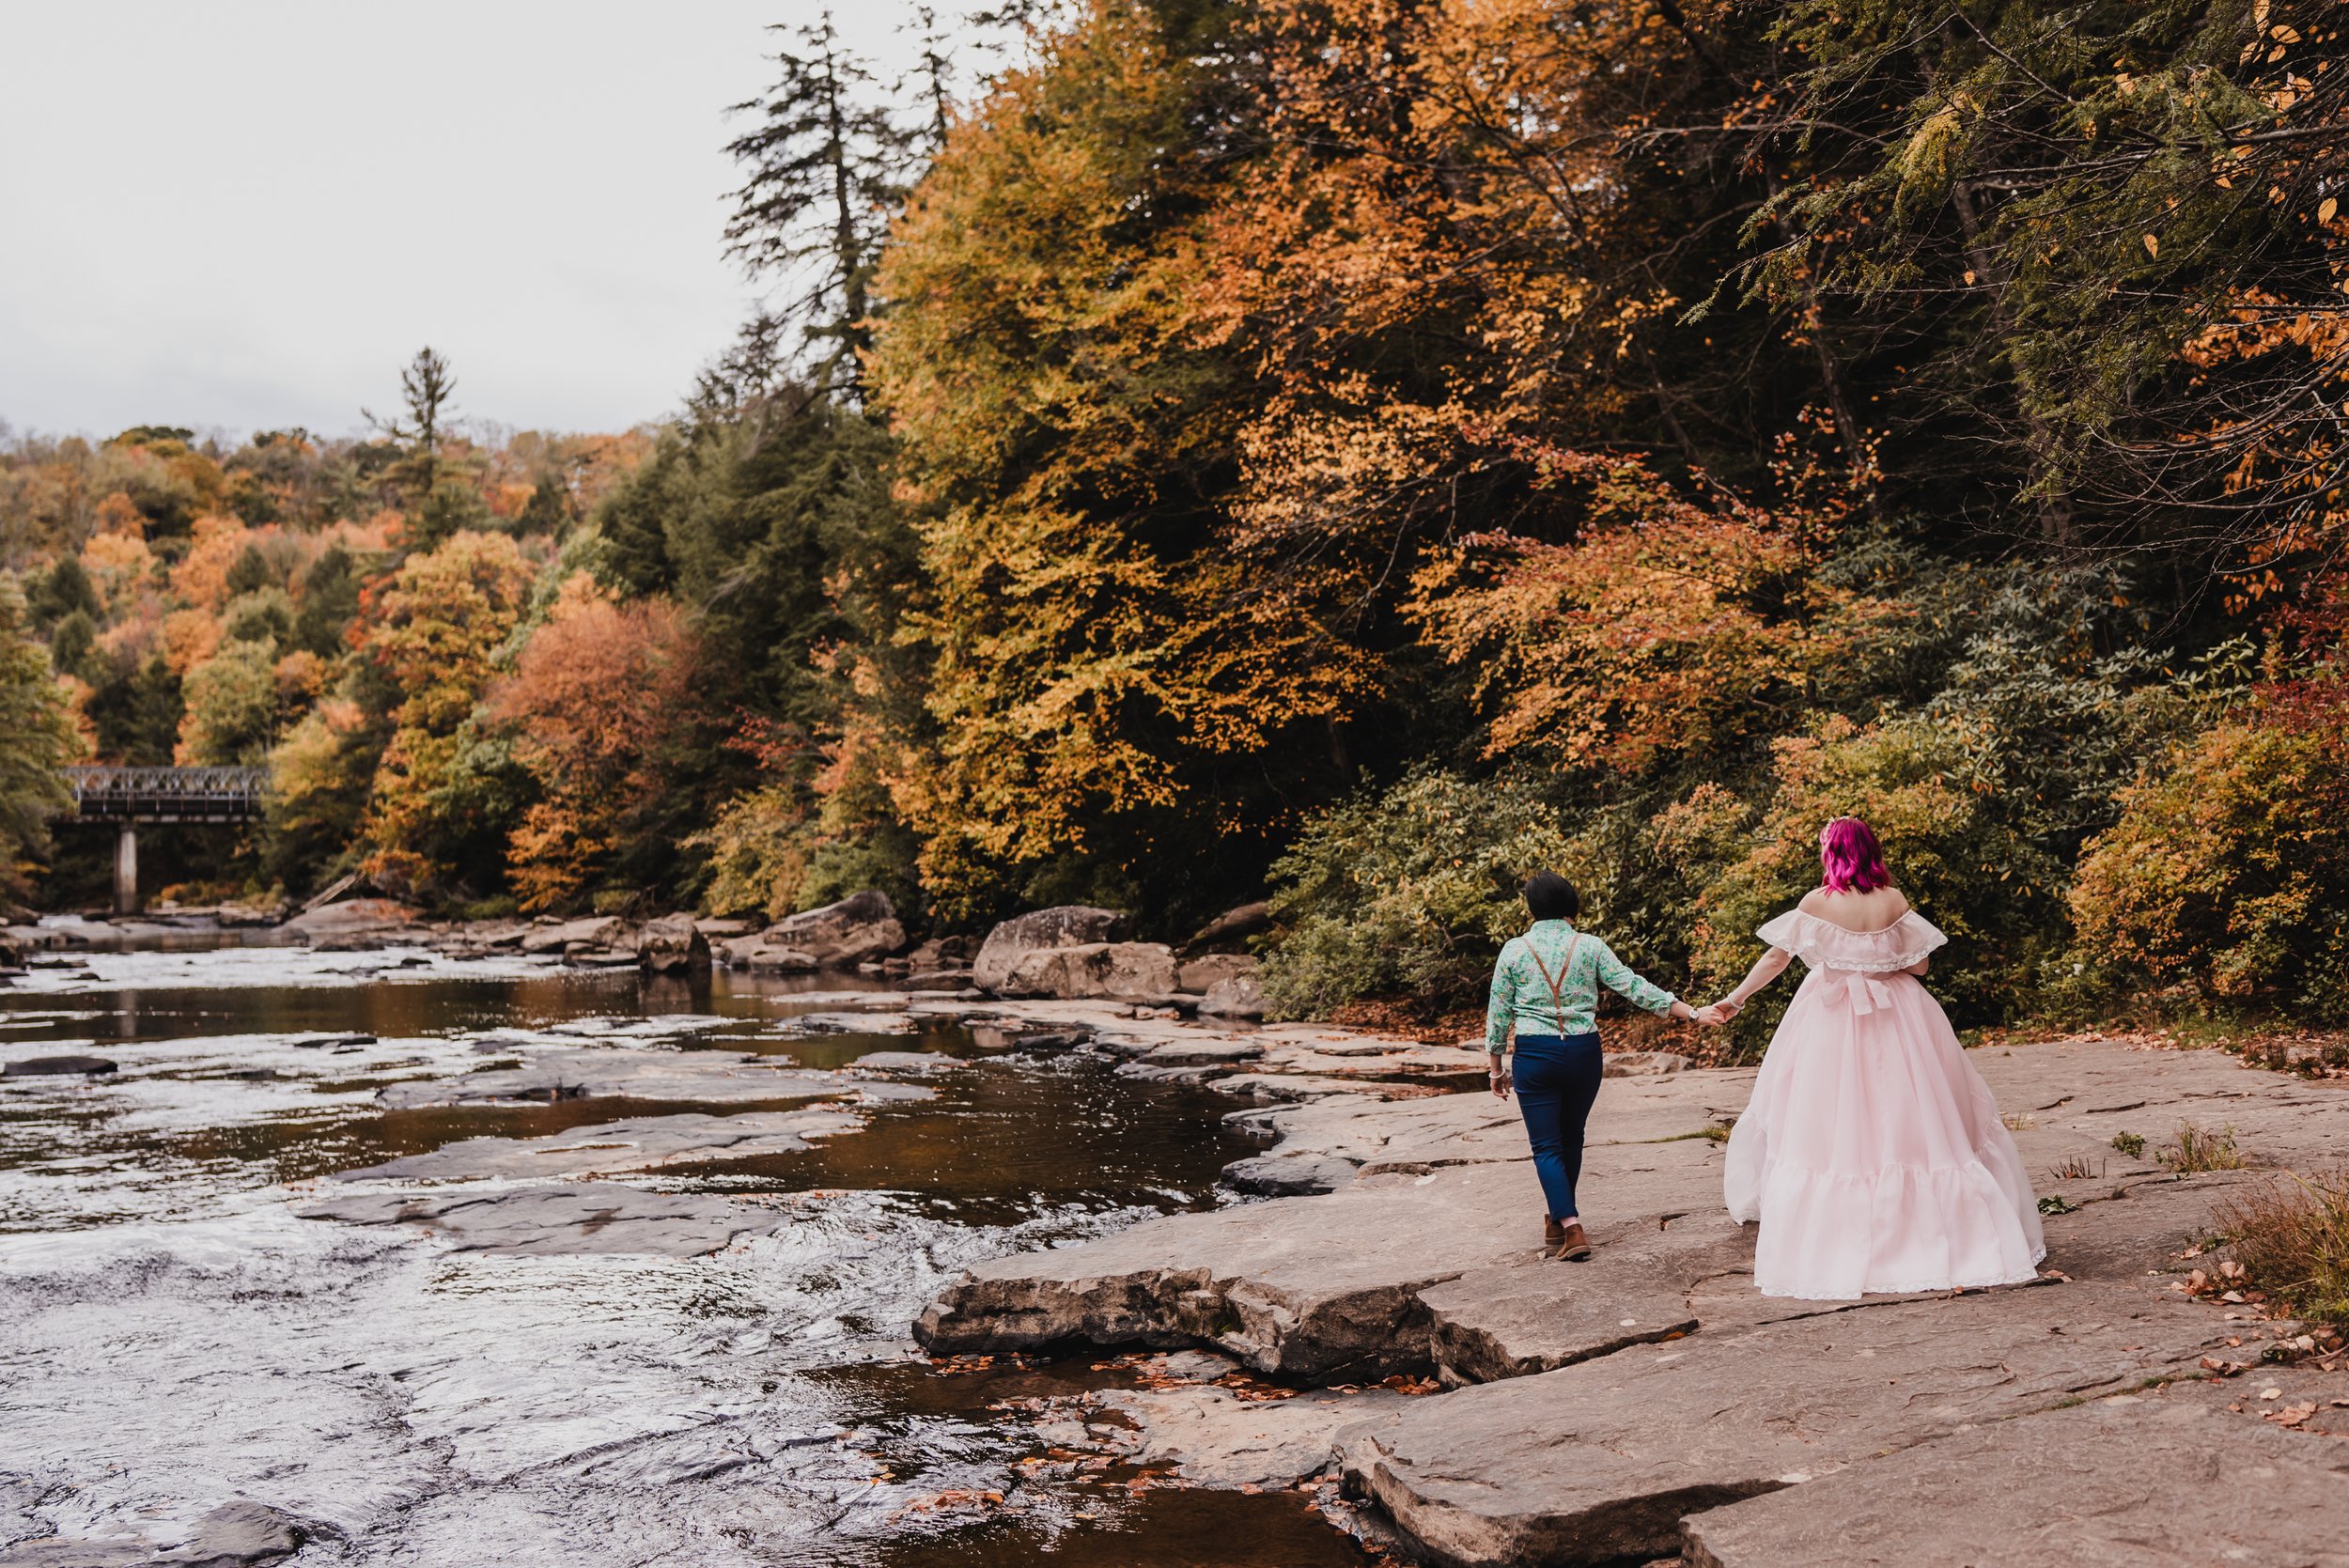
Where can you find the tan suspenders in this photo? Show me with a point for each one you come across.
(1566, 970)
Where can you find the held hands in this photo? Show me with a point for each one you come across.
(1717, 1013)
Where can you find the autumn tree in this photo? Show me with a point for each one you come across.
(443, 794)
(37, 740)
(604, 704)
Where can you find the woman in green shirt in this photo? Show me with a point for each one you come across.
(1546, 994)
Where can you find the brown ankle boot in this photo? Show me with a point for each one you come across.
(1573, 1246)
(1553, 1237)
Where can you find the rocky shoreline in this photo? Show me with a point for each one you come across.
(1381, 1324)
(1649, 1407)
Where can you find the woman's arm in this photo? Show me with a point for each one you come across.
(1500, 1012)
(1765, 968)
(1920, 966)
(1620, 978)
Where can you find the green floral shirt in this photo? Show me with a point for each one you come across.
(1522, 1002)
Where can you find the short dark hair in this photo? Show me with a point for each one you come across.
(1550, 896)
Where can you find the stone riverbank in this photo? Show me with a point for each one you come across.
(1648, 1406)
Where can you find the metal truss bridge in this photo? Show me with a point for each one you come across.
(125, 796)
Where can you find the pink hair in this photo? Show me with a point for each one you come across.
(1852, 858)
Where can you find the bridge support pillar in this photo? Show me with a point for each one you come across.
(126, 870)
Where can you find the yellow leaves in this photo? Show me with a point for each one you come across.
(2152, 245)
(2325, 208)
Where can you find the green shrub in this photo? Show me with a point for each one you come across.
(1919, 784)
(2228, 871)
(1410, 891)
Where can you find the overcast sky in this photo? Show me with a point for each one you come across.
(249, 213)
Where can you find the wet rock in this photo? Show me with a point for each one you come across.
(1202, 975)
(2129, 1482)
(1092, 969)
(356, 918)
(906, 1062)
(1308, 1287)
(1049, 1042)
(237, 1534)
(635, 1143)
(1067, 925)
(1276, 1176)
(60, 1553)
(720, 928)
(561, 1220)
(864, 925)
(37, 1067)
(673, 945)
(956, 981)
(324, 1041)
(756, 954)
(1238, 997)
(852, 1023)
(1212, 1436)
(1207, 1052)
(647, 1075)
(1598, 1461)
(592, 933)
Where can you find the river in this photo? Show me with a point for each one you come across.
(172, 1335)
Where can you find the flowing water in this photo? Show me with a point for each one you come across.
(173, 1336)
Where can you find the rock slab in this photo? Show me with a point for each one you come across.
(556, 1220)
(1600, 1460)
(2128, 1482)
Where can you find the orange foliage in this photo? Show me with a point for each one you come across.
(190, 638)
(597, 700)
(201, 578)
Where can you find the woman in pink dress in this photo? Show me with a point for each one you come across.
(1871, 1151)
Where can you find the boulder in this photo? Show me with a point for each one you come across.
(943, 952)
(239, 1534)
(753, 954)
(595, 931)
(673, 945)
(1067, 925)
(1239, 997)
(1093, 970)
(863, 925)
(354, 917)
(36, 1067)
(1205, 973)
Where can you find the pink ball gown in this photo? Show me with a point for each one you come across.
(1871, 1151)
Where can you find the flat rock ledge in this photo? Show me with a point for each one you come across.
(564, 1219)
(1649, 1405)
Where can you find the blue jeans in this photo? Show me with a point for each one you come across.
(1557, 1080)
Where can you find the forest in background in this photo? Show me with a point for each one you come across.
(1355, 451)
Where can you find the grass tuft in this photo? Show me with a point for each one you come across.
(2291, 1237)
(2130, 1143)
(2199, 1149)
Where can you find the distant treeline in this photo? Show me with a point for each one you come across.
(1360, 450)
